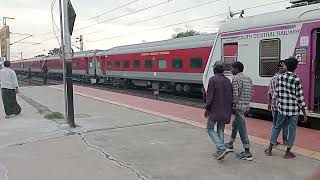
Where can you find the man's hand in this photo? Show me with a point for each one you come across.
(206, 114)
(305, 118)
(17, 90)
(269, 106)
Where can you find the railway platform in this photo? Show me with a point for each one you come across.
(126, 137)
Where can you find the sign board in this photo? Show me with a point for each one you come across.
(4, 35)
(301, 55)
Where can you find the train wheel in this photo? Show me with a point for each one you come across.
(179, 88)
(187, 88)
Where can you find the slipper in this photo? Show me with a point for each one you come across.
(289, 155)
(267, 152)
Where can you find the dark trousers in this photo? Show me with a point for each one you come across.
(10, 103)
(45, 79)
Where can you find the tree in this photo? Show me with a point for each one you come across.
(186, 34)
(54, 51)
(41, 55)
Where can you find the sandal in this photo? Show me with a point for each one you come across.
(267, 152)
(289, 155)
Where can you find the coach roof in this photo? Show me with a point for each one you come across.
(286, 16)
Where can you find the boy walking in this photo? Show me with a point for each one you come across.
(218, 108)
(242, 95)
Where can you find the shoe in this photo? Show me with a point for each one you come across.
(10, 116)
(18, 113)
(229, 147)
(222, 154)
(245, 156)
(216, 154)
(289, 155)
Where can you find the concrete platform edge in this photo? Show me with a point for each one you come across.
(300, 151)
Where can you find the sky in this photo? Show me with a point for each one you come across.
(103, 27)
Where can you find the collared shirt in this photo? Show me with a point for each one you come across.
(271, 91)
(8, 78)
(289, 92)
(242, 92)
(219, 99)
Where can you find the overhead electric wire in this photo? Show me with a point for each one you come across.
(194, 20)
(140, 10)
(160, 16)
(112, 10)
(118, 17)
(253, 7)
(54, 25)
(175, 12)
(170, 25)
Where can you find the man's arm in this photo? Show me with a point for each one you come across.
(15, 81)
(235, 90)
(300, 99)
(210, 94)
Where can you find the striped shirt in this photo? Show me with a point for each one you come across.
(271, 91)
(289, 92)
(242, 92)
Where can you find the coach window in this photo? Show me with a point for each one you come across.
(117, 64)
(136, 64)
(269, 57)
(109, 64)
(177, 63)
(148, 64)
(196, 63)
(230, 54)
(126, 64)
(162, 64)
(75, 65)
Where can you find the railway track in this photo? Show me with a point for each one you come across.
(193, 101)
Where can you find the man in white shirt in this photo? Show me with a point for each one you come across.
(9, 89)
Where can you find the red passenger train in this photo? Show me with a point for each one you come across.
(175, 64)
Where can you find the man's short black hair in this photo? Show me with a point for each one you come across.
(7, 64)
(238, 65)
(280, 63)
(218, 69)
(291, 63)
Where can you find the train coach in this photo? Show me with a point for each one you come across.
(261, 41)
(175, 64)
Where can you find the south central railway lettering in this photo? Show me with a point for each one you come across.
(155, 53)
(265, 34)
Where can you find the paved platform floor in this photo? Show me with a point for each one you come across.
(116, 142)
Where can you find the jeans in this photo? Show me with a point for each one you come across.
(216, 136)
(292, 121)
(239, 124)
(285, 125)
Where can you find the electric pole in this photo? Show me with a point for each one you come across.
(68, 23)
(5, 38)
(21, 57)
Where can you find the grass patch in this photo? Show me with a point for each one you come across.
(54, 116)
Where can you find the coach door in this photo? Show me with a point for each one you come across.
(317, 74)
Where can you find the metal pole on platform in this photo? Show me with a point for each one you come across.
(63, 64)
(68, 65)
(8, 50)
